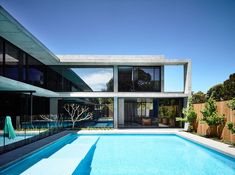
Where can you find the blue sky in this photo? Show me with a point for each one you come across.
(202, 30)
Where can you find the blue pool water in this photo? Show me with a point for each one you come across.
(125, 155)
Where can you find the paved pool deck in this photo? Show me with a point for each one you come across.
(17, 154)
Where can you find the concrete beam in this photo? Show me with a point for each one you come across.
(123, 94)
(110, 60)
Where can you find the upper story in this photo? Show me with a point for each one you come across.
(26, 64)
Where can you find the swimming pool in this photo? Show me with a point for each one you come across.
(124, 155)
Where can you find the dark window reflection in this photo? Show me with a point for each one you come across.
(125, 83)
(35, 72)
(139, 79)
(11, 61)
(1, 56)
(24, 70)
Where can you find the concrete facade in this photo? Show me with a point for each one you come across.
(130, 60)
(15, 33)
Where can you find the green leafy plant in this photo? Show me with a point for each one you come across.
(231, 104)
(211, 116)
(210, 113)
(230, 125)
(164, 112)
(190, 115)
(198, 97)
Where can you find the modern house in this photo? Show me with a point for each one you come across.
(124, 90)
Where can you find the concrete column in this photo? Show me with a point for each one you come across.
(187, 78)
(115, 78)
(54, 106)
(185, 104)
(121, 111)
(115, 116)
(162, 78)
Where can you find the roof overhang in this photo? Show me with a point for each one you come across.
(110, 60)
(13, 31)
(7, 84)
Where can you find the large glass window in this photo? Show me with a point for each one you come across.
(23, 67)
(11, 61)
(139, 79)
(36, 72)
(125, 83)
(101, 109)
(95, 78)
(149, 112)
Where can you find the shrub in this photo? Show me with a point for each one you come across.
(217, 92)
(229, 87)
(230, 125)
(231, 104)
(210, 113)
(198, 97)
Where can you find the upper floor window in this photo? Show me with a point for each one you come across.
(95, 78)
(139, 79)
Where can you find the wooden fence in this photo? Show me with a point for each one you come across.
(222, 109)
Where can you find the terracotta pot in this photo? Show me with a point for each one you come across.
(146, 121)
(212, 131)
(172, 122)
(165, 121)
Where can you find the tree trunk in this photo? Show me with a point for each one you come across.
(212, 131)
(73, 124)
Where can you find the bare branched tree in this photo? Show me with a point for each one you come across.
(49, 117)
(76, 113)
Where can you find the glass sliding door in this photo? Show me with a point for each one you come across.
(152, 112)
(137, 109)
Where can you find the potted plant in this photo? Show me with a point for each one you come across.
(160, 114)
(211, 117)
(172, 114)
(146, 121)
(190, 116)
(164, 114)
